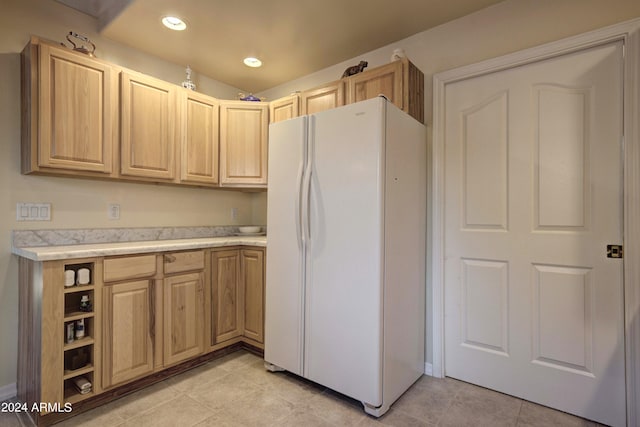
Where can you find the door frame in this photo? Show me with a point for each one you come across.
(629, 33)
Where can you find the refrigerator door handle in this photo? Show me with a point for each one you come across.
(306, 186)
(301, 211)
(299, 224)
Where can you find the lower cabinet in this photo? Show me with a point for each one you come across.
(109, 321)
(183, 317)
(237, 304)
(128, 331)
(252, 280)
(226, 296)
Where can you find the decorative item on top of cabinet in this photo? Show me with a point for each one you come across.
(322, 98)
(243, 144)
(81, 44)
(400, 81)
(188, 83)
(150, 123)
(355, 69)
(284, 108)
(69, 112)
(199, 138)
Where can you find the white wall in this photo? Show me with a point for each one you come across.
(498, 30)
(80, 203)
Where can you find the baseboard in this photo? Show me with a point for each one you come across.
(428, 369)
(8, 391)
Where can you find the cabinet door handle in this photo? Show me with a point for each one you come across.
(169, 258)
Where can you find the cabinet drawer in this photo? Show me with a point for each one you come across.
(183, 261)
(129, 268)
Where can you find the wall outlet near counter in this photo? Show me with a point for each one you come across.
(113, 211)
(234, 214)
(33, 211)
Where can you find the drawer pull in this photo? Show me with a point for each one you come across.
(169, 258)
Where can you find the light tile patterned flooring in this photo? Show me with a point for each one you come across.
(236, 390)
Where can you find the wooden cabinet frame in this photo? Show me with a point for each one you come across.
(63, 131)
(243, 143)
(237, 296)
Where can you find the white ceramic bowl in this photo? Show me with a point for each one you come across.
(250, 229)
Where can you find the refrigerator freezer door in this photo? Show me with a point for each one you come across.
(284, 318)
(343, 339)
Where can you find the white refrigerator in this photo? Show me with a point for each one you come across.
(345, 273)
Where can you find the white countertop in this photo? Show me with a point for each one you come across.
(51, 253)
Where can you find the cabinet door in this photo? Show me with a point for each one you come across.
(199, 139)
(252, 279)
(385, 80)
(128, 331)
(243, 143)
(322, 98)
(183, 317)
(78, 117)
(227, 299)
(284, 108)
(148, 127)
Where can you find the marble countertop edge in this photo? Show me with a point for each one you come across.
(52, 253)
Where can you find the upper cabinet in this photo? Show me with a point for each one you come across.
(385, 80)
(149, 122)
(284, 108)
(70, 112)
(322, 98)
(400, 81)
(243, 143)
(199, 138)
(85, 117)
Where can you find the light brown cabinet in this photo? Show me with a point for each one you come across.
(237, 283)
(149, 312)
(128, 316)
(52, 350)
(226, 292)
(199, 138)
(400, 81)
(183, 313)
(129, 308)
(70, 112)
(243, 143)
(150, 120)
(284, 108)
(322, 98)
(252, 281)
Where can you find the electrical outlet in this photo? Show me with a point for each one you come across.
(234, 214)
(33, 212)
(113, 211)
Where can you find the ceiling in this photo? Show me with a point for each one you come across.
(293, 38)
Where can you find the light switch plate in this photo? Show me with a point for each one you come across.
(33, 211)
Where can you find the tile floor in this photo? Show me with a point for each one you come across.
(237, 391)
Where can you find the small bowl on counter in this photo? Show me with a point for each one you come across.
(252, 230)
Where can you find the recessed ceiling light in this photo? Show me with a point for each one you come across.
(174, 23)
(252, 62)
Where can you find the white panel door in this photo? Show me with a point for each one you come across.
(533, 179)
(343, 341)
(284, 299)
